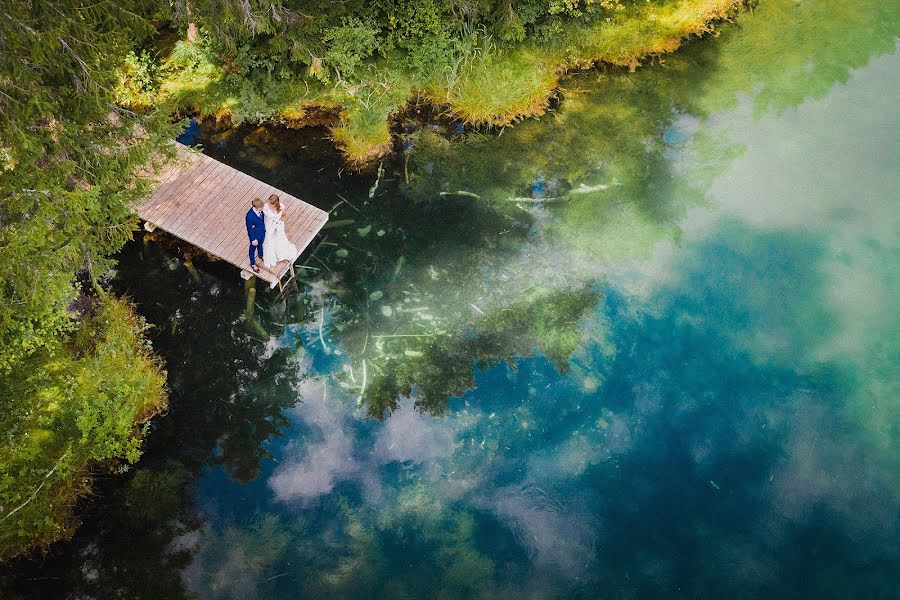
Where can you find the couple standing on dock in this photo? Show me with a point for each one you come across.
(265, 228)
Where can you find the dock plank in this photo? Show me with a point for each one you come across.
(175, 194)
(194, 216)
(194, 168)
(233, 215)
(231, 223)
(230, 203)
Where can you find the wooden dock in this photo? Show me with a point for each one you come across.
(204, 202)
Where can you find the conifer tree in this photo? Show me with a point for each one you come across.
(70, 159)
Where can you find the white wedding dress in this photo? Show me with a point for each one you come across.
(276, 245)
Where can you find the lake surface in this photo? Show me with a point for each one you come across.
(645, 346)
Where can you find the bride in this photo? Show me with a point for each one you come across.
(276, 246)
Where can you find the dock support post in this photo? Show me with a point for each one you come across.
(250, 287)
(146, 240)
(189, 265)
(294, 279)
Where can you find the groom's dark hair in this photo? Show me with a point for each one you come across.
(257, 202)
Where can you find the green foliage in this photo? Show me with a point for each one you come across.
(349, 44)
(491, 61)
(190, 55)
(73, 166)
(140, 78)
(71, 157)
(192, 81)
(363, 132)
(496, 89)
(71, 404)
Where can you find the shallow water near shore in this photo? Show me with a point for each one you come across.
(646, 346)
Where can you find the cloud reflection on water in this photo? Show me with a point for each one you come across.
(713, 442)
(312, 466)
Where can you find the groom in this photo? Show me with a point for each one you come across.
(256, 231)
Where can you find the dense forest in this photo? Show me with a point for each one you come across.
(91, 94)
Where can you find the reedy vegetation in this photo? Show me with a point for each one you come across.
(489, 62)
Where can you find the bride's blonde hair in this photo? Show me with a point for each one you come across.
(274, 200)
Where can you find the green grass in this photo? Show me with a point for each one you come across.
(499, 88)
(363, 132)
(483, 85)
(654, 29)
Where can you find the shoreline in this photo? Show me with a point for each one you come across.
(488, 87)
(94, 391)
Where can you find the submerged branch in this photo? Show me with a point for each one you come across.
(321, 325)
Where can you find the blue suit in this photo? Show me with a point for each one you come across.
(256, 230)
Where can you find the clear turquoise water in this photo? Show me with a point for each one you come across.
(651, 351)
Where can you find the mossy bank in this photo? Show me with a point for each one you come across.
(76, 406)
(478, 68)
